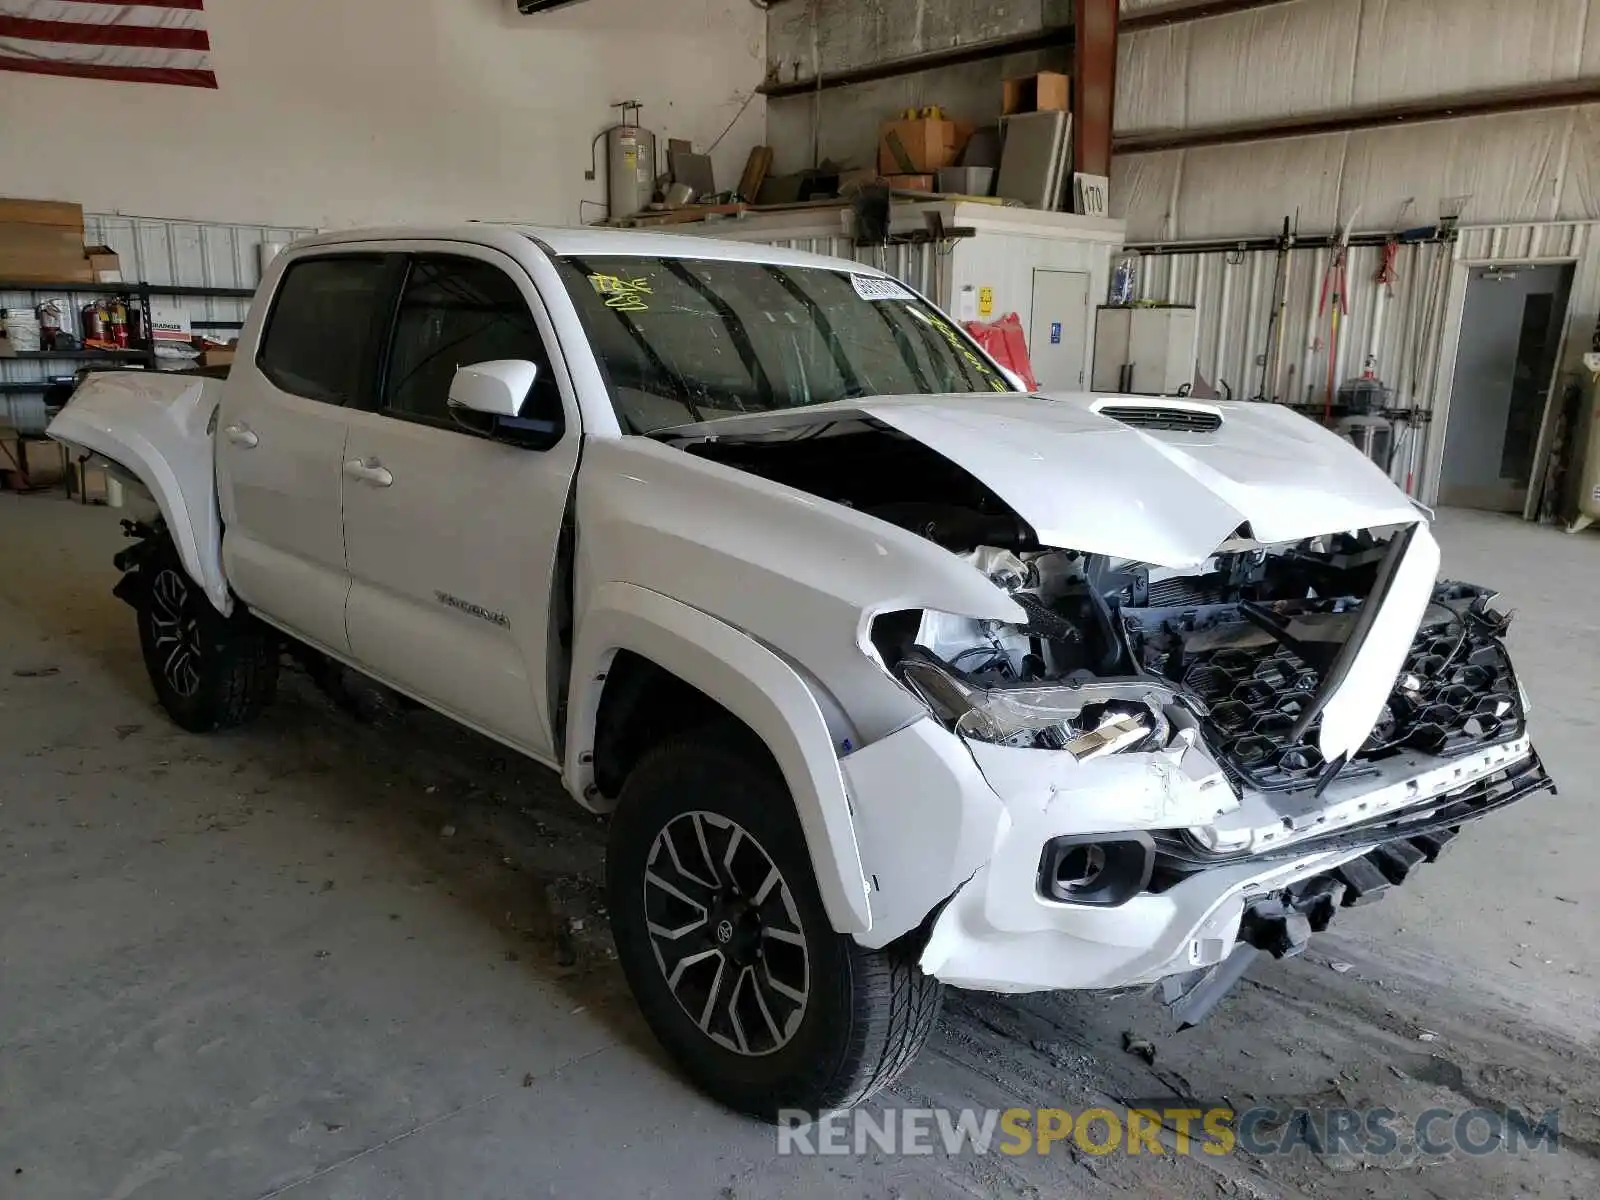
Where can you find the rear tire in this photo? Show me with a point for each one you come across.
(723, 938)
(210, 672)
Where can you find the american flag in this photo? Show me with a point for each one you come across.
(134, 41)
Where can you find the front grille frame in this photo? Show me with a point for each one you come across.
(1469, 699)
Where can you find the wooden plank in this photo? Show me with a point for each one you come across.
(682, 216)
(755, 172)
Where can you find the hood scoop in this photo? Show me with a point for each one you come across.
(1169, 418)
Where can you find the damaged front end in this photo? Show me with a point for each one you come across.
(1229, 696)
(1221, 683)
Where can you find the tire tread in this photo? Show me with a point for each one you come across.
(888, 1006)
(241, 677)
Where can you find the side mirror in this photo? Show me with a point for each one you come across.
(497, 389)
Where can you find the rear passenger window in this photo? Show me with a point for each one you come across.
(321, 337)
(455, 312)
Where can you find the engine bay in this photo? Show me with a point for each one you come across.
(1247, 643)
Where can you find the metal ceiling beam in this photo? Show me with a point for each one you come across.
(1094, 83)
(1191, 10)
(1039, 39)
(1410, 112)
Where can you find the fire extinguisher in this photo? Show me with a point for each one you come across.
(94, 322)
(117, 324)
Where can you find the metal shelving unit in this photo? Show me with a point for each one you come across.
(81, 355)
(143, 292)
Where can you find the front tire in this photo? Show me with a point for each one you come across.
(210, 672)
(724, 940)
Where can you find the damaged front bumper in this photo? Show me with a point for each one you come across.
(1281, 924)
(991, 816)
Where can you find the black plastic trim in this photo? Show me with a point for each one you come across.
(1130, 860)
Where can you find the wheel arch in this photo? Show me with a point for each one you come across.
(651, 642)
(157, 434)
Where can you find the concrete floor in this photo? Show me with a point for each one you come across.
(327, 958)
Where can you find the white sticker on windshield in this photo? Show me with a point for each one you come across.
(870, 287)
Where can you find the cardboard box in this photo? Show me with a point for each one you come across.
(217, 358)
(55, 213)
(170, 323)
(919, 147)
(41, 241)
(1048, 91)
(104, 263)
(42, 254)
(910, 183)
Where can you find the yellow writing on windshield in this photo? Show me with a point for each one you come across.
(625, 295)
(948, 332)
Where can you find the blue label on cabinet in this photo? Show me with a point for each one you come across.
(1055, 333)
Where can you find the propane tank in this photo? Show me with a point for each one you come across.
(630, 164)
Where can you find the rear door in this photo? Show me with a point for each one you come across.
(280, 440)
(451, 534)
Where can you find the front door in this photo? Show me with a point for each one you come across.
(1510, 337)
(1058, 340)
(280, 441)
(451, 534)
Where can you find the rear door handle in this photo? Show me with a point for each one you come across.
(241, 435)
(371, 471)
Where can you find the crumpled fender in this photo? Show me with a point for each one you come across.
(156, 428)
(752, 683)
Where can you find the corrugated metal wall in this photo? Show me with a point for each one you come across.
(1407, 332)
(1233, 292)
(1330, 56)
(180, 253)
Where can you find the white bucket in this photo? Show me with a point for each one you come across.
(22, 330)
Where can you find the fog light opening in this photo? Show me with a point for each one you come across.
(1103, 870)
(1080, 867)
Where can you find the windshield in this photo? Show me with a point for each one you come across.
(683, 339)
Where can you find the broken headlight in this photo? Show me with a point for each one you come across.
(1089, 721)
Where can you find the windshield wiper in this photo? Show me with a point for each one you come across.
(645, 348)
(737, 333)
(823, 325)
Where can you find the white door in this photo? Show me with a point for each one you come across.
(280, 441)
(451, 534)
(1058, 341)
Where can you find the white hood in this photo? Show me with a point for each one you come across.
(1090, 483)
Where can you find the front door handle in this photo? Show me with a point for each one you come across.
(368, 471)
(241, 435)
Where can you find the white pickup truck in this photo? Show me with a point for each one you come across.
(890, 675)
